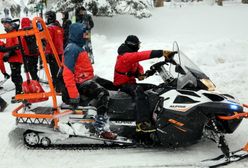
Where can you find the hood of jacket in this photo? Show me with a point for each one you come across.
(25, 22)
(76, 34)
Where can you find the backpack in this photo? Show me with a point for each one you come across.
(31, 44)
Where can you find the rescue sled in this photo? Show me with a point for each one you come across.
(43, 124)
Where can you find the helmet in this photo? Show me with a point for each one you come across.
(6, 20)
(133, 42)
(50, 17)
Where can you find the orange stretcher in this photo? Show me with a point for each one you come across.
(41, 33)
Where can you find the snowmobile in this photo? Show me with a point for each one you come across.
(185, 107)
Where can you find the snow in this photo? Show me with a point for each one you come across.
(214, 37)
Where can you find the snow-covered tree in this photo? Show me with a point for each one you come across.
(138, 8)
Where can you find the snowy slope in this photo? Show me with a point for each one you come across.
(214, 37)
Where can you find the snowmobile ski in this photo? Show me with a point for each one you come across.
(222, 160)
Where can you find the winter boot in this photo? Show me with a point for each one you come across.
(13, 100)
(145, 127)
(102, 128)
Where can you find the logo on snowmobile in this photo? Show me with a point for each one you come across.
(178, 106)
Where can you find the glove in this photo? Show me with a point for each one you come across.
(74, 102)
(6, 57)
(141, 77)
(149, 73)
(169, 54)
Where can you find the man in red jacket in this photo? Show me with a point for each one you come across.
(78, 75)
(13, 56)
(127, 69)
(57, 35)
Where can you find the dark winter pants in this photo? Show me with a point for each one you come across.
(93, 90)
(16, 76)
(32, 62)
(143, 112)
(54, 68)
(90, 91)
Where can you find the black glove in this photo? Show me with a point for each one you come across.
(150, 73)
(6, 57)
(74, 102)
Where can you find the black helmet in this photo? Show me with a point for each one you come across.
(50, 17)
(133, 42)
(6, 20)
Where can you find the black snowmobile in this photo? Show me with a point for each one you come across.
(184, 108)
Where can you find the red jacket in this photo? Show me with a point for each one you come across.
(129, 63)
(57, 35)
(77, 68)
(2, 67)
(10, 42)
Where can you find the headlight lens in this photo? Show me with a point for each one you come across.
(209, 84)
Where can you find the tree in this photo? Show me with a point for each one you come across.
(138, 8)
(245, 1)
(220, 2)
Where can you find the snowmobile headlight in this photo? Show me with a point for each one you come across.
(234, 107)
(209, 84)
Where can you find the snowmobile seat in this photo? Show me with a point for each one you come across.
(107, 84)
(121, 106)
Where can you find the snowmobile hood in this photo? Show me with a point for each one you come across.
(25, 22)
(124, 49)
(76, 34)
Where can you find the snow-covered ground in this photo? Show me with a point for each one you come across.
(214, 37)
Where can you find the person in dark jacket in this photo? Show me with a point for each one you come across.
(57, 35)
(78, 76)
(13, 56)
(30, 50)
(66, 24)
(127, 69)
(86, 20)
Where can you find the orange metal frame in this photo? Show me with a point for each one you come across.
(40, 35)
(236, 115)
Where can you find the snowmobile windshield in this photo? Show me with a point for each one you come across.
(192, 77)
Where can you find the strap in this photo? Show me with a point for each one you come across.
(129, 74)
